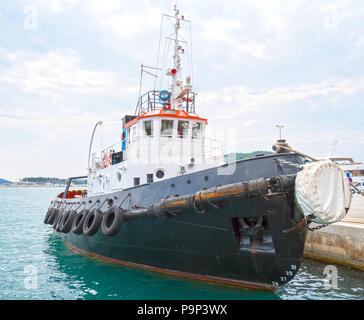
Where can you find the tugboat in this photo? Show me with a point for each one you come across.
(162, 199)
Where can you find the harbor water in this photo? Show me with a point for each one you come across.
(36, 264)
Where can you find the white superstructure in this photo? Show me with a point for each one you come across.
(163, 139)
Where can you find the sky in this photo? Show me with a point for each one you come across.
(66, 64)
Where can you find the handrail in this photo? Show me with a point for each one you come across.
(110, 147)
(150, 101)
(211, 147)
(68, 185)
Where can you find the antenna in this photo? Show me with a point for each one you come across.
(142, 70)
(333, 148)
(280, 131)
(141, 75)
(176, 21)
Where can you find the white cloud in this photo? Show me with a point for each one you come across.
(273, 14)
(254, 115)
(359, 41)
(245, 101)
(124, 22)
(57, 72)
(54, 5)
(335, 12)
(226, 33)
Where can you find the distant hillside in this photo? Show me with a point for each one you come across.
(41, 180)
(240, 156)
(3, 181)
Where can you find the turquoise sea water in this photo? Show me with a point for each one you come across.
(36, 264)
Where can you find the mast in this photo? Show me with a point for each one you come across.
(177, 89)
(176, 70)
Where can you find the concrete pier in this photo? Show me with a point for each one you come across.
(341, 242)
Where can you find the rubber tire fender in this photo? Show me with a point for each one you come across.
(67, 220)
(52, 215)
(77, 224)
(92, 222)
(60, 217)
(112, 221)
(47, 215)
(55, 220)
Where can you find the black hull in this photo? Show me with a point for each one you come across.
(228, 245)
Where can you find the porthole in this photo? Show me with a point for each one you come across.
(159, 174)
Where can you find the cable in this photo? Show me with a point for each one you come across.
(159, 47)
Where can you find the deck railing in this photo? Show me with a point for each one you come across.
(205, 148)
(150, 101)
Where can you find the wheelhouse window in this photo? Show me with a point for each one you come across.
(166, 128)
(182, 129)
(196, 129)
(148, 128)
